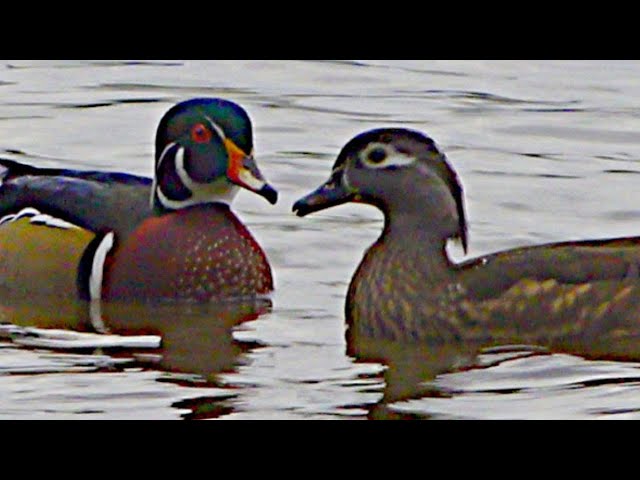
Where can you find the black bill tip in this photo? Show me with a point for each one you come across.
(270, 193)
(300, 208)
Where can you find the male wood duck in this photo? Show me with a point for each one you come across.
(102, 235)
(406, 287)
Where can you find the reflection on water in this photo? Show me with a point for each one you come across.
(532, 385)
(190, 343)
(416, 377)
(546, 151)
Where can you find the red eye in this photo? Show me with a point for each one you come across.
(200, 133)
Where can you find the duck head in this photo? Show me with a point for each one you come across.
(400, 171)
(204, 154)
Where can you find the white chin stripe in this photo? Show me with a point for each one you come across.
(220, 190)
(38, 218)
(97, 266)
(204, 193)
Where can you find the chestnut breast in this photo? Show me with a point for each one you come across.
(197, 253)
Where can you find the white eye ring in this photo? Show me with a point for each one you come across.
(376, 155)
(381, 155)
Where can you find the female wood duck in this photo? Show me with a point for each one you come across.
(118, 236)
(406, 288)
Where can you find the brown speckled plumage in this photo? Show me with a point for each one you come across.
(407, 289)
(196, 253)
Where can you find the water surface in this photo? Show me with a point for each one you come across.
(546, 150)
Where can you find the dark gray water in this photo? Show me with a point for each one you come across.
(546, 150)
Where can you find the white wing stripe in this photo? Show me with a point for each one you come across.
(38, 218)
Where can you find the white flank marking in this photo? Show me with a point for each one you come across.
(97, 266)
(38, 219)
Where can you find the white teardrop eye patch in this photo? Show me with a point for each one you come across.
(382, 155)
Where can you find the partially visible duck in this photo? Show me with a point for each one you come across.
(111, 235)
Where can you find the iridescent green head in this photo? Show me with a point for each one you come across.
(204, 152)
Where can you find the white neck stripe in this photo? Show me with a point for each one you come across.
(154, 184)
(181, 171)
(97, 266)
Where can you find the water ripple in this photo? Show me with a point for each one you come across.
(545, 149)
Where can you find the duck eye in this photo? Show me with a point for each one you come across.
(200, 133)
(377, 155)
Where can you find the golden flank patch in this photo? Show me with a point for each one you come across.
(44, 251)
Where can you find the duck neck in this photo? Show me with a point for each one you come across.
(400, 279)
(409, 238)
